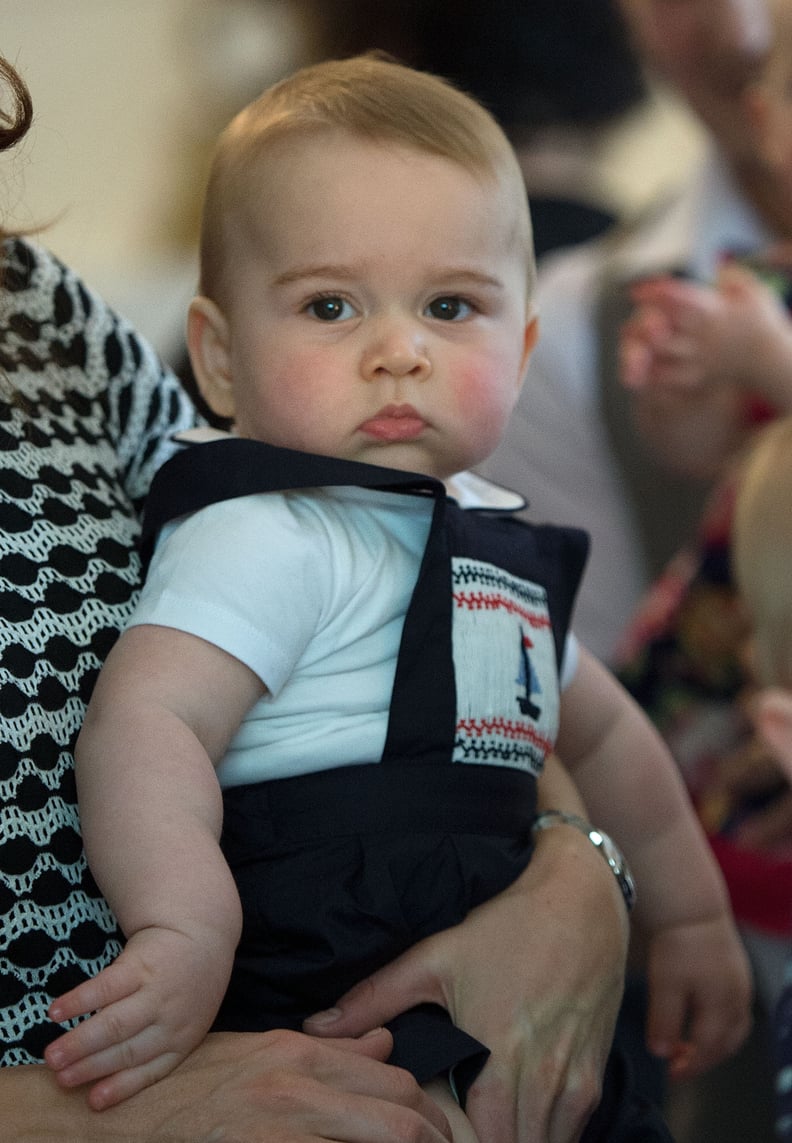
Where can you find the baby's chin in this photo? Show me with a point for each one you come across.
(404, 456)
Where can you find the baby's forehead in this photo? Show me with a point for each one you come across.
(308, 177)
(297, 151)
(288, 164)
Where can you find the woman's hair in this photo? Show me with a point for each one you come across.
(16, 109)
(762, 550)
(374, 99)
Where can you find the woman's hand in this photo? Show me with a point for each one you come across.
(273, 1087)
(535, 974)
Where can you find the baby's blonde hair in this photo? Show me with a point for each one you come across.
(762, 550)
(370, 97)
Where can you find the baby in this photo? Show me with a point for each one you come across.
(373, 673)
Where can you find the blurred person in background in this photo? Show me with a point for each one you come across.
(604, 476)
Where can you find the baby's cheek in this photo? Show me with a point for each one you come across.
(485, 400)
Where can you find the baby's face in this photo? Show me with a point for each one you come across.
(377, 306)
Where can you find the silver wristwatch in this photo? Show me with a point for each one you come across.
(607, 847)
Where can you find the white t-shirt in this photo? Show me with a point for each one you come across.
(316, 614)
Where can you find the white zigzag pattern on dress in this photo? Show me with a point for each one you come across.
(39, 545)
(57, 921)
(38, 825)
(63, 723)
(21, 884)
(20, 1018)
(52, 779)
(36, 978)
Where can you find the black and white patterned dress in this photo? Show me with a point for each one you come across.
(86, 413)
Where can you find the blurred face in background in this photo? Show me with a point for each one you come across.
(707, 51)
(770, 100)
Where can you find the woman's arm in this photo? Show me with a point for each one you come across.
(277, 1087)
(536, 974)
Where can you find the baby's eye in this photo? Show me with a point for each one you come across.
(449, 308)
(330, 308)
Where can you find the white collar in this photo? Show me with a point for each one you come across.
(473, 491)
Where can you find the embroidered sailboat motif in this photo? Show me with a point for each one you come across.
(527, 679)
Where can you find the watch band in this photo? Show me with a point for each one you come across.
(606, 846)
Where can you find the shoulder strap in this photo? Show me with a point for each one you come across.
(422, 716)
(203, 474)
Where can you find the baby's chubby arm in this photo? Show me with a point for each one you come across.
(699, 981)
(164, 709)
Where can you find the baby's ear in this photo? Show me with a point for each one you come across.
(208, 346)
(530, 337)
(774, 723)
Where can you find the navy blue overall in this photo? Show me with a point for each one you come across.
(342, 870)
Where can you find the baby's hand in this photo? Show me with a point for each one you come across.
(686, 336)
(152, 1006)
(699, 995)
(676, 336)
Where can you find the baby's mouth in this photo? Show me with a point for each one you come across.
(395, 423)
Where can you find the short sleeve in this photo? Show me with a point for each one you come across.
(241, 574)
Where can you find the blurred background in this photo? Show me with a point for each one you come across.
(129, 96)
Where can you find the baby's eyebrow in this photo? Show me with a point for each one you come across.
(301, 273)
(448, 275)
(462, 274)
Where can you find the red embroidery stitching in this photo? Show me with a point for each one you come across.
(479, 601)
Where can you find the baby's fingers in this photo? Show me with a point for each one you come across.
(717, 1029)
(667, 1038)
(635, 360)
(695, 1033)
(74, 1054)
(112, 984)
(665, 1019)
(120, 1085)
(123, 1067)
